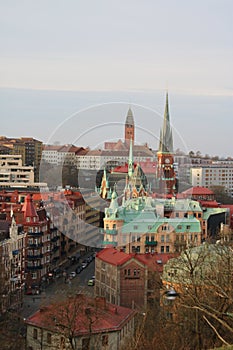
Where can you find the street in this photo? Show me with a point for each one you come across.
(60, 288)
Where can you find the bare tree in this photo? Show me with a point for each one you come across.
(73, 315)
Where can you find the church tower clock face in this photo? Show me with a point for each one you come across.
(167, 160)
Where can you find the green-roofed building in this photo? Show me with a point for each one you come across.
(146, 224)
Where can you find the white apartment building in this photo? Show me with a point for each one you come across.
(86, 159)
(99, 159)
(12, 172)
(215, 174)
(62, 155)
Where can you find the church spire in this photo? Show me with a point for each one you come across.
(166, 139)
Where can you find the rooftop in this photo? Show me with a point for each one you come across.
(105, 317)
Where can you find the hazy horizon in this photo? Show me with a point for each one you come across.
(58, 58)
(39, 114)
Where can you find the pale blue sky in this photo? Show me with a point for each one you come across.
(125, 50)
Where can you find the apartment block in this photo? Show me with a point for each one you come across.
(215, 174)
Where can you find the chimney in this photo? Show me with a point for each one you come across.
(100, 302)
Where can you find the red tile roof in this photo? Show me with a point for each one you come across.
(155, 261)
(116, 257)
(113, 256)
(105, 317)
(209, 204)
(196, 190)
(29, 208)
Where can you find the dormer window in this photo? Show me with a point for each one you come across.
(28, 219)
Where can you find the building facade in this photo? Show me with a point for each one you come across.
(12, 268)
(129, 279)
(217, 174)
(96, 324)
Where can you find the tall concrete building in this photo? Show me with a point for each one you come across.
(29, 148)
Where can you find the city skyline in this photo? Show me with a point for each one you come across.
(59, 58)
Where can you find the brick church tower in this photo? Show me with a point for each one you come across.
(129, 128)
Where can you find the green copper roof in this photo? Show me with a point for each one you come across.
(213, 211)
(166, 139)
(145, 223)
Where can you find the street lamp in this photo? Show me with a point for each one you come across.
(171, 294)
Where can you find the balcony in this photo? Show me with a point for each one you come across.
(34, 256)
(36, 234)
(55, 248)
(33, 268)
(151, 243)
(110, 231)
(54, 239)
(109, 243)
(15, 252)
(35, 245)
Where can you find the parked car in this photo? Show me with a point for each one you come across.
(79, 269)
(91, 282)
(90, 258)
(72, 274)
(84, 265)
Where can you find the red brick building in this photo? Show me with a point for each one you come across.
(130, 280)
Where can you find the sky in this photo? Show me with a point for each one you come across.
(60, 58)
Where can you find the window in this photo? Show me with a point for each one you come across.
(188, 227)
(162, 238)
(162, 249)
(104, 340)
(85, 344)
(35, 333)
(49, 338)
(167, 248)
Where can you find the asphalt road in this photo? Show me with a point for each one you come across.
(59, 288)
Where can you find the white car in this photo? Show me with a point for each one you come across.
(84, 265)
(72, 274)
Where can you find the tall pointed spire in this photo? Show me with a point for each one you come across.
(130, 161)
(166, 139)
